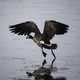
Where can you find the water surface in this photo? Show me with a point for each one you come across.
(18, 55)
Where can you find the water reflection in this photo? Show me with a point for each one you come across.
(44, 73)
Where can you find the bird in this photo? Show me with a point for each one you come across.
(51, 28)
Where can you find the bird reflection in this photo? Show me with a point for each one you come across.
(44, 73)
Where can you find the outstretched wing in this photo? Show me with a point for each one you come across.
(53, 27)
(24, 28)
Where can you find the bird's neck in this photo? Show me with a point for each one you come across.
(36, 41)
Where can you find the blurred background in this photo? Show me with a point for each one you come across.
(18, 55)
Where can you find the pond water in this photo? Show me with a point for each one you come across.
(18, 55)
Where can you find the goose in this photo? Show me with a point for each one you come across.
(51, 28)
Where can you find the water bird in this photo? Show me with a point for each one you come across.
(51, 28)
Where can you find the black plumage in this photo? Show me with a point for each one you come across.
(24, 28)
(51, 28)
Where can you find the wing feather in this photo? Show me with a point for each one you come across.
(53, 27)
(24, 28)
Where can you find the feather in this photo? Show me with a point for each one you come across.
(24, 28)
(53, 28)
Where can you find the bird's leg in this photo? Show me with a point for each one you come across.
(44, 54)
(53, 55)
(44, 62)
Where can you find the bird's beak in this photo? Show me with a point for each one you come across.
(29, 37)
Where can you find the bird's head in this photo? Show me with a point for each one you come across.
(29, 37)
